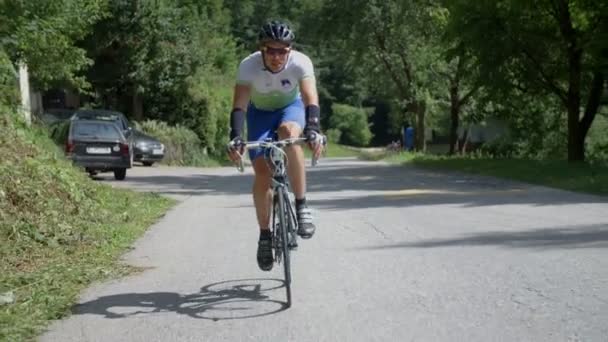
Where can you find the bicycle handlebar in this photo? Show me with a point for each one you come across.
(278, 144)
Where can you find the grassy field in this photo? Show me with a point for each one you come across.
(580, 177)
(59, 231)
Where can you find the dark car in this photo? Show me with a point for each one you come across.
(147, 149)
(99, 146)
(52, 116)
(101, 114)
(118, 118)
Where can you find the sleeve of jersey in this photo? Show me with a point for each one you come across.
(244, 75)
(306, 69)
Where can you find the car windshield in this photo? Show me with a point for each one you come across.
(60, 114)
(95, 130)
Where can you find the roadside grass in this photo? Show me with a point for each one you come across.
(337, 151)
(579, 177)
(59, 230)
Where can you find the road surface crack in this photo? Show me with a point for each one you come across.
(378, 230)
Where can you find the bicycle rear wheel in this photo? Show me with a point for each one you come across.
(283, 230)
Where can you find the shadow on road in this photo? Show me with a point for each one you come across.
(589, 236)
(226, 300)
(390, 186)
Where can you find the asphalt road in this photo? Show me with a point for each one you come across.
(400, 254)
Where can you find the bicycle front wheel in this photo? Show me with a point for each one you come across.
(284, 231)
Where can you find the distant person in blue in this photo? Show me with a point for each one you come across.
(408, 137)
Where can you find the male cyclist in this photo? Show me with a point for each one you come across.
(276, 92)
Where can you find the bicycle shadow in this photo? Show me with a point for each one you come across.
(225, 300)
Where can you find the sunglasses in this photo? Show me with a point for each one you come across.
(276, 51)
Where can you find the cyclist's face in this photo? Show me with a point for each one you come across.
(275, 55)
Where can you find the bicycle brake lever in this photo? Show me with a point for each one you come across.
(321, 139)
(239, 165)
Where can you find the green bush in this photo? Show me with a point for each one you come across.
(333, 135)
(58, 131)
(9, 91)
(211, 96)
(352, 123)
(502, 147)
(597, 139)
(182, 145)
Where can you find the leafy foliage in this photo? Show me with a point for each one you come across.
(352, 124)
(43, 34)
(539, 50)
(9, 92)
(436, 64)
(168, 58)
(182, 145)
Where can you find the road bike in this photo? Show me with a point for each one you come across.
(284, 222)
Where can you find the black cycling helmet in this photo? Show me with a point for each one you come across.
(276, 31)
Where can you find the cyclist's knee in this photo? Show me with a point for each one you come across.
(260, 168)
(289, 130)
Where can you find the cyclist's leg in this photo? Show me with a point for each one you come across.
(262, 194)
(262, 199)
(260, 124)
(292, 123)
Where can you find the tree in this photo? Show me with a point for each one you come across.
(394, 41)
(551, 47)
(43, 34)
(166, 60)
(460, 71)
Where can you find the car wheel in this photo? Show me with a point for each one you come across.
(120, 174)
(147, 163)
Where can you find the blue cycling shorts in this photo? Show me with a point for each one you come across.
(262, 124)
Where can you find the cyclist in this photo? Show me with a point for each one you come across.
(276, 92)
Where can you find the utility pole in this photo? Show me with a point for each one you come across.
(24, 85)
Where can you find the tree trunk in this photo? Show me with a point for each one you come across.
(593, 103)
(576, 143)
(138, 107)
(455, 116)
(576, 146)
(420, 126)
(462, 147)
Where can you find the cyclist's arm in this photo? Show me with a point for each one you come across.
(310, 98)
(241, 96)
(308, 88)
(239, 108)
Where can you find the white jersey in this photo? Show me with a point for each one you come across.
(271, 91)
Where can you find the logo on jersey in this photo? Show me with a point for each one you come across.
(285, 83)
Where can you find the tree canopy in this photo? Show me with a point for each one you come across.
(542, 67)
